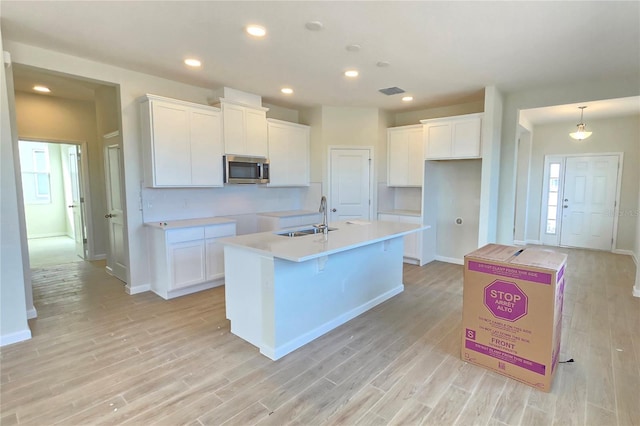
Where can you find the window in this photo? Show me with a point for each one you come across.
(552, 202)
(36, 178)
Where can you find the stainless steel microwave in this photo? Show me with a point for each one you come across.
(245, 169)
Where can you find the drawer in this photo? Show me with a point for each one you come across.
(222, 230)
(185, 234)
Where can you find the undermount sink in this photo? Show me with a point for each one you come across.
(303, 232)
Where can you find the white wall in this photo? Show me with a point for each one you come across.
(636, 288)
(619, 134)
(582, 91)
(522, 189)
(413, 117)
(13, 302)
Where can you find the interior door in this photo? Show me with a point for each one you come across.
(76, 200)
(116, 256)
(350, 184)
(588, 202)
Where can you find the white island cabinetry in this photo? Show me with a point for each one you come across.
(288, 153)
(453, 138)
(186, 256)
(181, 142)
(283, 292)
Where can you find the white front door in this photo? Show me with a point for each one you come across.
(116, 256)
(350, 184)
(588, 202)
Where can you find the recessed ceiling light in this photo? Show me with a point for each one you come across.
(193, 62)
(351, 73)
(42, 89)
(353, 47)
(256, 30)
(287, 90)
(407, 99)
(314, 25)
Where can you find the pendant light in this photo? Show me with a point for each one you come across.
(580, 134)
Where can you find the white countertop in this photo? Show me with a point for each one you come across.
(289, 213)
(188, 223)
(299, 249)
(402, 212)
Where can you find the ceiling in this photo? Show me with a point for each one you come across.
(439, 52)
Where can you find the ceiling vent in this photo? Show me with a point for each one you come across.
(391, 91)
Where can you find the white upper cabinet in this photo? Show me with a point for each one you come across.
(182, 143)
(404, 156)
(453, 137)
(244, 129)
(288, 153)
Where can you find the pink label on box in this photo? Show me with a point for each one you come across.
(511, 272)
(505, 356)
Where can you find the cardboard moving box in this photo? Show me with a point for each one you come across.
(512, 312)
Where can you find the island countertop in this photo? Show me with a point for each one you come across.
(347, 235)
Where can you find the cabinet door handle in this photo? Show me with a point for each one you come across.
(334, 210)
(108, 216)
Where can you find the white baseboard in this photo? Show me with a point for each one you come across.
(18, 336)
(450, 260)
(519, 242)
(625, 252)
(99, 257)
(137, 289)
(32, 313)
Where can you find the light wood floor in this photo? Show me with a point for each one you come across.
(100, 356)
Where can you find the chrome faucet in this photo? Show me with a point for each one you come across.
(323, 209)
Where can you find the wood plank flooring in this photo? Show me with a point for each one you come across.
(99, 356)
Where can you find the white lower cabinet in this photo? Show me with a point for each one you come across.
(413, 241)
(186, 260)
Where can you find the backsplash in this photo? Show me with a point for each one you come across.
(230, 200)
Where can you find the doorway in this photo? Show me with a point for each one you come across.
(350, 183)
(53, 192)
(580, 197)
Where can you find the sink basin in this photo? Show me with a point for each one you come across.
(303, 232)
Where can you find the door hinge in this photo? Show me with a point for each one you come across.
(82, 199)
(84, 241)
(615, 204)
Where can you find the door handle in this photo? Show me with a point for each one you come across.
(334, 210)
(565, 206)
(108, 216)
(71, 206)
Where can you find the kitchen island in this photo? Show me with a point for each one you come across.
(284, 291)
